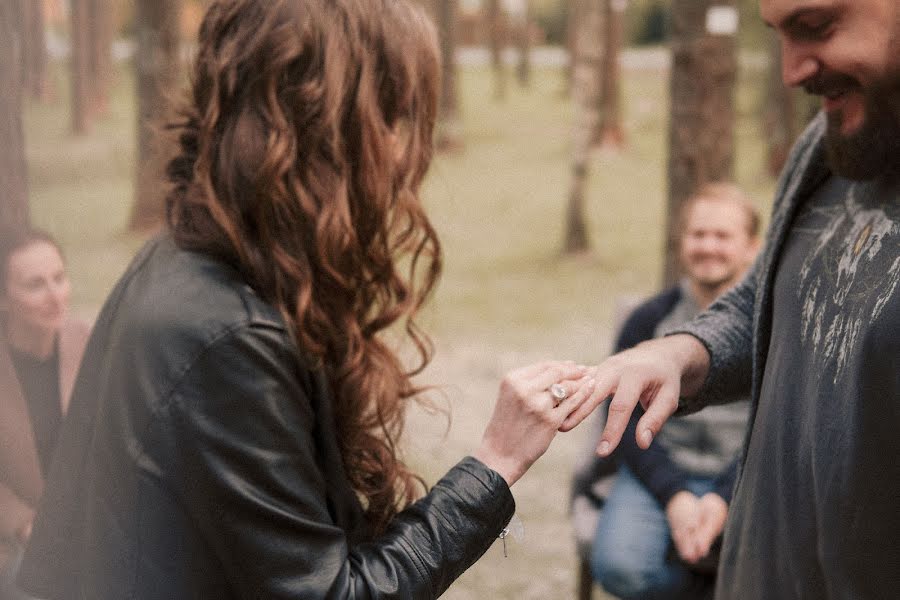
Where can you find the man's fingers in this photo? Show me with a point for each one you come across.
(659, 408)
(620, 409)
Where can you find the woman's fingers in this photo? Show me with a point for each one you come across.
(584, 387)
(603, 388)
(531, 371)
(526, 416)
(561, 373)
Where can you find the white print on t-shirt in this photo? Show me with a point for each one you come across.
(844, 283)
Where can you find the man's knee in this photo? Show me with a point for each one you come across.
(620, 576)
(625, 581)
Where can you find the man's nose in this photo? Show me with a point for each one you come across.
(707, 244)
(797, 65)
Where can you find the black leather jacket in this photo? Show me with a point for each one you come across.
(199, 462)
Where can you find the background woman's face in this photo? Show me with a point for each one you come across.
(37, 287)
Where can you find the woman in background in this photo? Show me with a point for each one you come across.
(40, 348)
(234, 431)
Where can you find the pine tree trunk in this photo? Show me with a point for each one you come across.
(573, 18)
(34, 48)
(701, 128)
(497, 34)
(80, 65)
(157, 66)
(585, 96)
(449, 136)
(523, 70)
(610, 133)
(100, 54)
(13, 169)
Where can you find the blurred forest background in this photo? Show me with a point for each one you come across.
(571, 130)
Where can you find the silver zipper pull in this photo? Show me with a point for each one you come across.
(502, 536)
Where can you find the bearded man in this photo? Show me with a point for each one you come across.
(814, 327)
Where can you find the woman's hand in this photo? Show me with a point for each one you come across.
(527, 416)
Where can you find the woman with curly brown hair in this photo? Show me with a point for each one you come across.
(234, 429)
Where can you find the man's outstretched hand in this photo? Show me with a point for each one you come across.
(655, 373)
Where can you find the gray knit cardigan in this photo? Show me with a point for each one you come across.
(737, 327)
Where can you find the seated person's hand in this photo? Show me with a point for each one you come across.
(684, 513)
(713, 513)
(23, 533)
(527, 416)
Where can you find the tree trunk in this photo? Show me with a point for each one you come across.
(585, 94)
(34, 48)
(701, 128)
(449, 136)
(523, 70)
(574, 8)
(496, 17)
(780, 116)
(80, 64)
(13, 170)
(157, 66)
(100, 54)
(610, 133)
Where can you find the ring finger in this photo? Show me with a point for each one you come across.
(576, 393)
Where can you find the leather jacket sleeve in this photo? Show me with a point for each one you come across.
(239, 430)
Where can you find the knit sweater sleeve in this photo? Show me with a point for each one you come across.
(726, 331)
(726, 328)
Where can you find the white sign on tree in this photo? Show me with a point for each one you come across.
(722, 20)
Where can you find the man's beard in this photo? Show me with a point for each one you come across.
(873, 150)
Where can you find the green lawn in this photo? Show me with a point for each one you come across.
(507, 296)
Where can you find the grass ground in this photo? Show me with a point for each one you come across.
(507, 297)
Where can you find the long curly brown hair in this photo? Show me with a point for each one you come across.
(303, 144)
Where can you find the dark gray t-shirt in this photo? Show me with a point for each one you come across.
(820, 492)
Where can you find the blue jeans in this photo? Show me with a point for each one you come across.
(632, 556)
